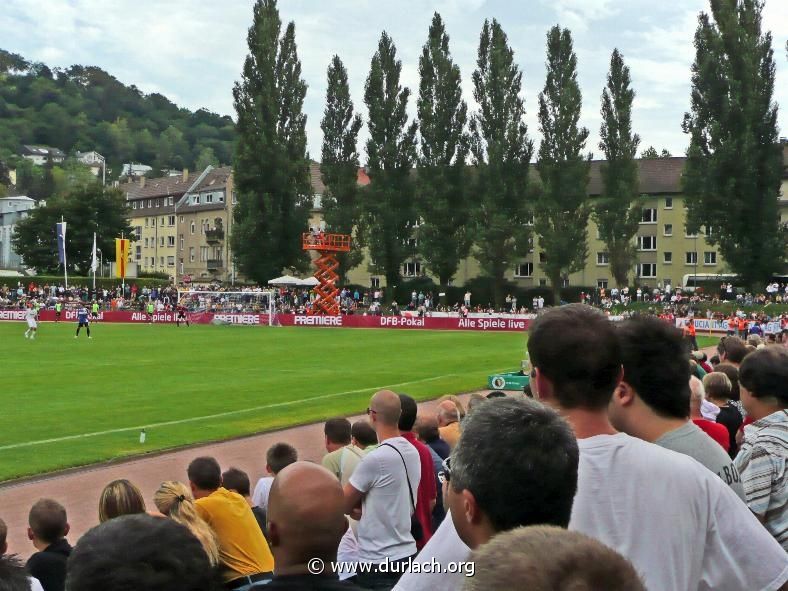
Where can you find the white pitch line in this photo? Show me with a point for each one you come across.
(217, 415)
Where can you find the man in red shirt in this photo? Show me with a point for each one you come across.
(427, 491)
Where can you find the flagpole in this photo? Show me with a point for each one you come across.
(65, 263)
(123, 279)
(93, 263)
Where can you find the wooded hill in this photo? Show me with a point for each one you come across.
(84, 108)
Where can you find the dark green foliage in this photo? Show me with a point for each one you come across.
(616, 211)
(501, 154)
(84, 108)
(389, 211)
(562, 209)
(734, 162)
(87, 209)
(339, 164)
(271, 164)
(651, 152)
(443, 196)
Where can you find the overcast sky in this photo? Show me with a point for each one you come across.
(192, 51)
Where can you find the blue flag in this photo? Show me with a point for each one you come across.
(61, 242)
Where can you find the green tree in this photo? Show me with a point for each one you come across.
(443, 196)
(734, 161)
(339, 164)
(391, 153)
(616, 211)
(206, 158)
(271, 164)
(651, 152)
(501, 153)
(562, 209)
(172, 147)
(87, 209)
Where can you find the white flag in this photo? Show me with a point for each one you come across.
(94, 263)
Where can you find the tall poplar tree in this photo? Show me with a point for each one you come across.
(443, 196)
(271, 164)
(501, 155)
(562, 209)
(339, 163)
(616, 211)
(389, 211)
(734, 162)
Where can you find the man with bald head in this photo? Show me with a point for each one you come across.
(381, 494)
(306, 521)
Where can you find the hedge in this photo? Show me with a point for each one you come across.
(101, 282)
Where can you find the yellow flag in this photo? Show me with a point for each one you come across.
(121, 256)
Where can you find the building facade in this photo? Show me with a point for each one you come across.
(12, 210)
(39, 155)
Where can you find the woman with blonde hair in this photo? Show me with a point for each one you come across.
(175, 500)
(457, 403)
(120, 497)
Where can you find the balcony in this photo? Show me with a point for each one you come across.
(215, 264)
(214, 236)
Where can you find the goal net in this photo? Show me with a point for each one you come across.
(231, 302)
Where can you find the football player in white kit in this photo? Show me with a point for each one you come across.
(31, 315)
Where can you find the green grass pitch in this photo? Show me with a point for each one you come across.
(68, 402)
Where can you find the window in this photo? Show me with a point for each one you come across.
(531, 244)
(192, 228)
(146, 243)
(235, 200)
(170, 201)
(542, 257)
(161, 240)
(158, 202)
(181, 241)
(668, 202)
(170, 261)
(181, 271)
(708, 231)
(530, 220)
(647, 243)
(692, 258)
(171, 220)
(565, 282)
(146, 222)
(647, 270)
(603, 258)
(688, 235)
(161, 261)
(203, 254)
(170, 240)
(373, 281)
(221, 198)
(209, 198)
(542, 282)
(133, 205)
(709, 258)
(411, 269)
(163, 220)
(667, 258)
(196, 200)
(181, 219)
(649, 216)
(601, 283)
(138, 252)
(191, 254)
(153, 222)
(150, 202)
(524, 270)
(668, 230)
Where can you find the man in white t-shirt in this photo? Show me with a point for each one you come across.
(278, 457)
(378, 496)
(676, 521)
(31, 316)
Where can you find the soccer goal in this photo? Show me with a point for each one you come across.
(230, 302)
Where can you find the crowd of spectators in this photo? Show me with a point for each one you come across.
(627, 464)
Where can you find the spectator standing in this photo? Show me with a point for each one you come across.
(681, 527)
(13, 575)
(175, 500)
(718, 388)
(307, 523)
(427, 491)
(652, 402)
(278, 456)
(342, 457)
(763, 457)
(363, 436)
(713, 429)
(515, 464)
(243, 552)
(384, 485)
(47, 529)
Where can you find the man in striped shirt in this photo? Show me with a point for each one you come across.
(763, 458)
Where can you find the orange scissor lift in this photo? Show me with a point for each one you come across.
(326, 245)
